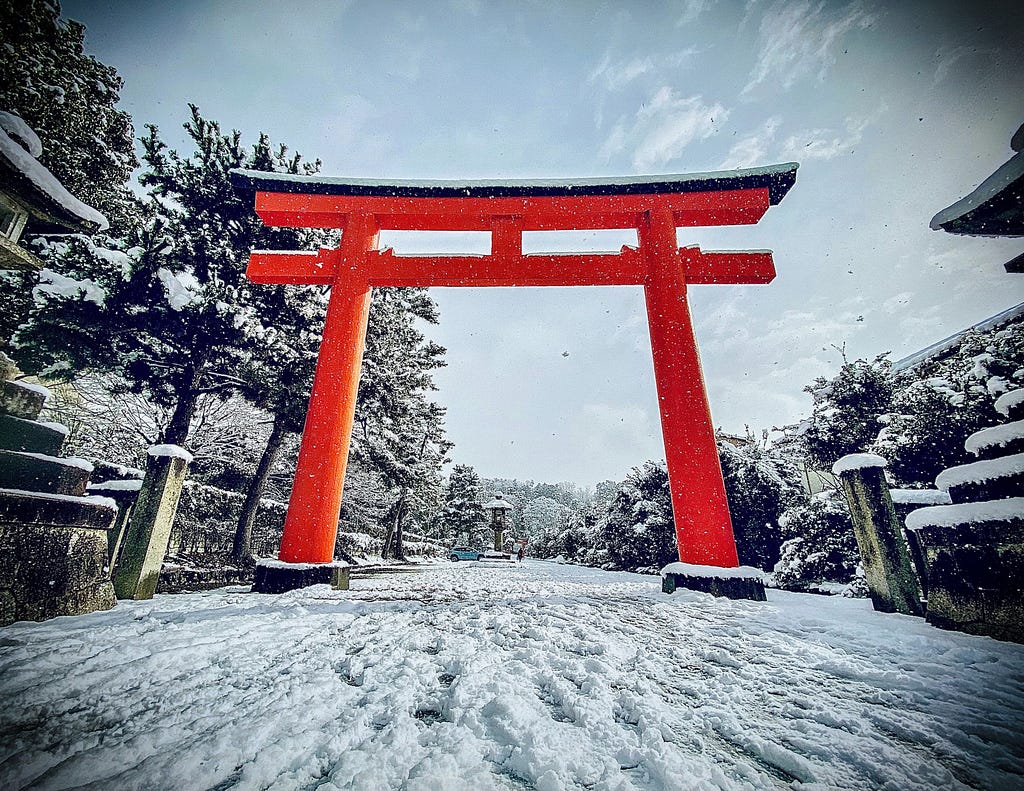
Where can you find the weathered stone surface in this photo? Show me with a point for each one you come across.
(976, 578)
(49, 568)
(28, 435)
(21, 401)
(149, 528)
(275, 577)
(30, 473)
(891, 579)
(730, 587)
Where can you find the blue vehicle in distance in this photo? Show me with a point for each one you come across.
(464, 553)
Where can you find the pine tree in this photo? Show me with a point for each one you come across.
(169, 309)
(463, 516)
(399, 432)
(846, 410)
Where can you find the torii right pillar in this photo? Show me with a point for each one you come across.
(703, 528)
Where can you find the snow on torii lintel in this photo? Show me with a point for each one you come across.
(777, 178)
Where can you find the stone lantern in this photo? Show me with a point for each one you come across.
(498, 507)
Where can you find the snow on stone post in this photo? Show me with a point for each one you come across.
(887, 567)
(149, 529)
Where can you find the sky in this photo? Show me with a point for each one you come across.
(893, 110)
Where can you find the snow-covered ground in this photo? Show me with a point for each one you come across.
(534, 676)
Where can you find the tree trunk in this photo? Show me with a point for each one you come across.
(393, 538)
(241, 549)
(188, 394)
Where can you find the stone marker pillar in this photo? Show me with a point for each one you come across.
(887, 566)
(149, 528)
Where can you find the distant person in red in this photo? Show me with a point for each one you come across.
(521, 554)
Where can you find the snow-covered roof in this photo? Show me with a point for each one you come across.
(939, 348)
(498, 504)
(26, 177)
(777, 178)
(995, 208)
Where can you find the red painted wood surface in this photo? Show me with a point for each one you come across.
(703, 528)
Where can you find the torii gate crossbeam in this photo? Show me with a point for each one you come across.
(654, 206)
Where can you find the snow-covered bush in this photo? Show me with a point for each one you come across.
(759, 484)
(819, 544)
(846, 409)
(940, 403)
(207, 517)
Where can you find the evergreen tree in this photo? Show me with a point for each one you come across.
(759, 484)
(70, 100)
(846, 410)
(940, 403)
(169, 309)
(463, 517)
(819, 543)
(638, 530)
(399, 431)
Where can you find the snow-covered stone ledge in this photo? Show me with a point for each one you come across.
(738, 582)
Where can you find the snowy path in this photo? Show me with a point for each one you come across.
(539, 676)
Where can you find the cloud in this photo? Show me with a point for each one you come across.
(799, 39)
(948, 57)
(618, 431)
(616, 75)
(753, 149)
(693, 9)
(663, 127)
(824, 143)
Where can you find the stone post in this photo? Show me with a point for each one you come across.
(149, 528)
(887, 567)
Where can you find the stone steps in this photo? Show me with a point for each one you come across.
(41, 473)
(1011, 404)
(997, 441)
(31, 436)
(22, 399)
(991, 479)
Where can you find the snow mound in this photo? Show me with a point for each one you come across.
(980, 471)
(857, 461)
(919, 497)
(174, 451)
(997, 436)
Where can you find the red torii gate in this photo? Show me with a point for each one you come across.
(654, 206)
